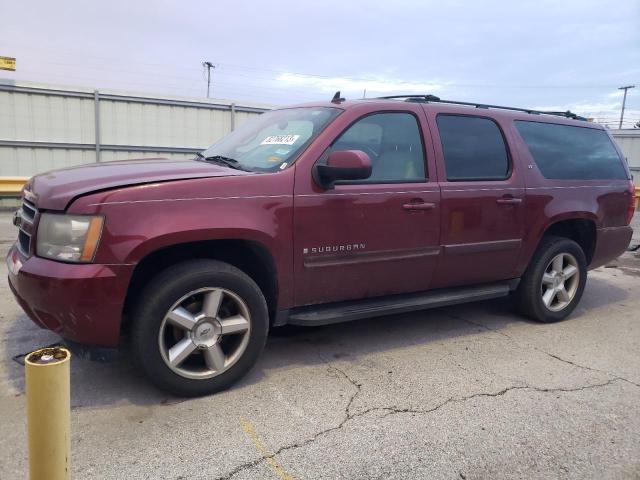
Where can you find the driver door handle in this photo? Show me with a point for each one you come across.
(419, 206)
(508, 200)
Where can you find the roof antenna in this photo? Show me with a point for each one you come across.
(337, 98)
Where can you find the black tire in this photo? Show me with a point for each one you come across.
(529, 292)
(160, 295)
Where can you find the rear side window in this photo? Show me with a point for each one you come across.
(571, 153)
(473, 148)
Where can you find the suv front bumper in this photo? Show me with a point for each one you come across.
(80, 302)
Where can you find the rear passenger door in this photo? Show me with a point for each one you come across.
(482, 199)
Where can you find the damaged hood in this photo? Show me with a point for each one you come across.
(56, 189)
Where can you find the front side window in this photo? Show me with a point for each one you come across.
(571, 153)
(272, 141)
(393, 143)
(473, 148)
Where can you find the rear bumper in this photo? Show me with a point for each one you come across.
(82, 303)
(611, 242)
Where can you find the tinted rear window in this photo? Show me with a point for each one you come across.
(473, 148)
(571, 153)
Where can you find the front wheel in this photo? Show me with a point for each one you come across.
(198, 327)
(554, 281)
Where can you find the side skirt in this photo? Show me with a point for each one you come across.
(325, 314)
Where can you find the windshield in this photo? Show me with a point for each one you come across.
(272, 141)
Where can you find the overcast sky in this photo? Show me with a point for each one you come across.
(538, 54)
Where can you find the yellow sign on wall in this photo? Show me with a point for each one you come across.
(8, 63)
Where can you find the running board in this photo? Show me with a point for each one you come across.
(315, 315)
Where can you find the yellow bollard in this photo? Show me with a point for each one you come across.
(48, 413)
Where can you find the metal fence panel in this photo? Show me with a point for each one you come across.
(45, 118)
(629, 142)
(128, 123)
(25, 161)
(44, 128)
(108, 156)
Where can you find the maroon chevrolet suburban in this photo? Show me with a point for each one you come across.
(314, 214)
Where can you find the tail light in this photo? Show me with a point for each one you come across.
(632, 202)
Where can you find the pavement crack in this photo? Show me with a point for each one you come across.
(481, 325)
(347, 417)
(554, 356)
(358, 386)
(242, 467)
(586, 367)
(396, 410)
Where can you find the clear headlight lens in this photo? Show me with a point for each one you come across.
(68, 238)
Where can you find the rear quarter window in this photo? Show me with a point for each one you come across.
(565, 152)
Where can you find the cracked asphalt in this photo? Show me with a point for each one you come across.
(465, 392)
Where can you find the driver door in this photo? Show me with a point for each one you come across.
(371, 237)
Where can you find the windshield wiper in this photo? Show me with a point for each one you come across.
(225, 161)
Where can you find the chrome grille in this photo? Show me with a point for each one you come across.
(26, 219)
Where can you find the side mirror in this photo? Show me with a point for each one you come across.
(342, 165)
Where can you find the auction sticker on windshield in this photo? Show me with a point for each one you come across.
(280, 140)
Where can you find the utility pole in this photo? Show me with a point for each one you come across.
(208, 66)
(624, 100)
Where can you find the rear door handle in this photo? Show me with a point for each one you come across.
(419, 206)
(509, 201)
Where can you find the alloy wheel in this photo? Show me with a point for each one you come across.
(204, 333)
(560, 282)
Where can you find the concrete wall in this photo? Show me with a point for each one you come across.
(44, 127)
(629, 141)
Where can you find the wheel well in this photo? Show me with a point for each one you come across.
(581, 231)
(252, 258)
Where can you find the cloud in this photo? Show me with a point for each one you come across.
(571, 51)
(345, 84)
(632, 92)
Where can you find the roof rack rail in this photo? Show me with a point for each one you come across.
(414, 98)
(433, 98)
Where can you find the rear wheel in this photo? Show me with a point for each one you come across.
(554, 281)
(198, 327)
